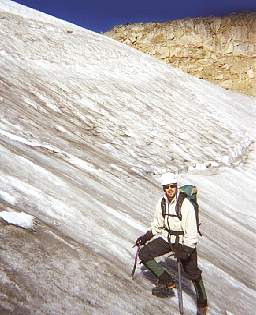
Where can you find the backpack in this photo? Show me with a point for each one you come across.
(189, 192)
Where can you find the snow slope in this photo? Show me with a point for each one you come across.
(87, 127)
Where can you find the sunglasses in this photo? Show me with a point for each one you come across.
(165, 187)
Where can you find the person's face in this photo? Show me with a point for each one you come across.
(170, 191)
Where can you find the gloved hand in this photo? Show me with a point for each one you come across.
(142, 240)
(182, 251)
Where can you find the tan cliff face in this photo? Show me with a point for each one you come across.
(219, 49)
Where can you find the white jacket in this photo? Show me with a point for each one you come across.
(187, 224)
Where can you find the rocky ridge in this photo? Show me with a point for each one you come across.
(219, 49)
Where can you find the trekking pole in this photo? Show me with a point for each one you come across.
(180, 288)
(135, 261)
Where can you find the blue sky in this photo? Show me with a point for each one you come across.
(101, 15)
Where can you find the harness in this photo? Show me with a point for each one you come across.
(178, 214)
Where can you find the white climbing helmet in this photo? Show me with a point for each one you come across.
(169, 178)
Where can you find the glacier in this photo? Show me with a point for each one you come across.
(87, 127)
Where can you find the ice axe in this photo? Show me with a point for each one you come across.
(136, 260)
(180, 288)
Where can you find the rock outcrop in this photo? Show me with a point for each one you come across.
(219, 49)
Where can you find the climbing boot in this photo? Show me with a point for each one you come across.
(164, 285)
(202, 309)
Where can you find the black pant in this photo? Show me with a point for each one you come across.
(159, 247)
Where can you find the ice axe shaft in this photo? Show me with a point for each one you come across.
(136, 260)
(180, 288)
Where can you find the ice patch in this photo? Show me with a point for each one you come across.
(81, 163)
(18, 218)
(49, 103)
(61, 128)
(7, 197)
(31, 103)
(18, 138)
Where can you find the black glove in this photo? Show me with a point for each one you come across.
(142, 240)
(182, 251)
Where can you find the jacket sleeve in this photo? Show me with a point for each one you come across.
(189, 224)
(157, 224)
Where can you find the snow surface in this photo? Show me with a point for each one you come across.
(87, 127)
